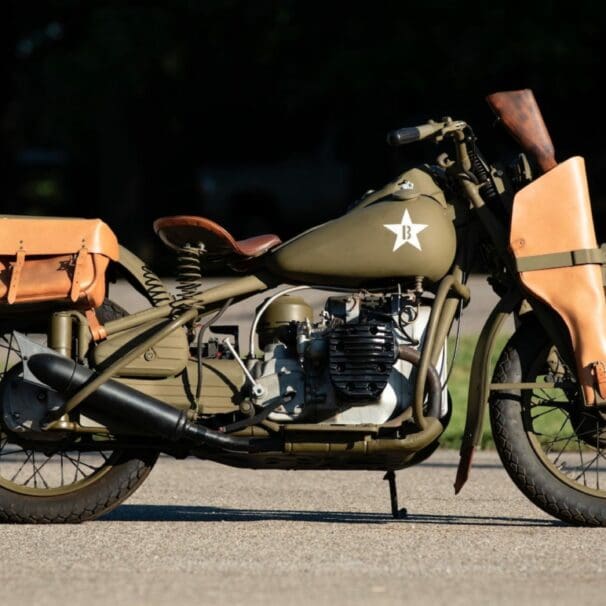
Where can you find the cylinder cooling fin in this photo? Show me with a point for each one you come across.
(361, 357)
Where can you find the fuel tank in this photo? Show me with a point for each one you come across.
(405, 229)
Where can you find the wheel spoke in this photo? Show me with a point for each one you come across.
(29, 456)
(37, 473)
(79, 468)
(559, 432)
(546, 396)
(582, 464)
(78, 464)
(30, 469)
(579, 434)
(550, 443)
(75, 463)
(584, 468)
(34, 466)
(82, 463)
(545, 412)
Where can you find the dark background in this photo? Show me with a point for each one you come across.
(269, 116)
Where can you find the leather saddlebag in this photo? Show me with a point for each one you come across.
(54, 259)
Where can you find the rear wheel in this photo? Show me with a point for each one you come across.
(62, 476)
(552, 446)
(72, 481)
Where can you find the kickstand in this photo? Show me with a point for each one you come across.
(397, 513)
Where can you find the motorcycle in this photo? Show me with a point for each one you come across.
(90, 395)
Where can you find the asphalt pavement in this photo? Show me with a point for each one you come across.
(200, 533)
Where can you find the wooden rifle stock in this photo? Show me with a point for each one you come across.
(522, 117)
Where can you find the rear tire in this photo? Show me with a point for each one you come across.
(127, 472)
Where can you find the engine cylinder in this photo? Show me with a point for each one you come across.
(361, 359)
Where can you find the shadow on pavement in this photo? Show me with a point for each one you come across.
(185, 513)
(455, 464)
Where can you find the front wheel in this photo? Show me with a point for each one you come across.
(553, 447)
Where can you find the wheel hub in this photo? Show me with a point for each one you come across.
(25, 406)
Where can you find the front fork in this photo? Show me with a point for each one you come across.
(480, 376)
(479, 383)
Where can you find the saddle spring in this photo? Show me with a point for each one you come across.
(189, 276)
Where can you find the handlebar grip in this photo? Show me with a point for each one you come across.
(403, 135)
(417, 133)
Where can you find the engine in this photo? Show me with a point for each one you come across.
(343, 368)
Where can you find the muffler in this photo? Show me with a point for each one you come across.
(136, 409)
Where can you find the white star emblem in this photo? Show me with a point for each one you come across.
(406, 232)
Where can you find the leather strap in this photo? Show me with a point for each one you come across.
(97, 330)
(78, 266)
(598, 370)
(16, 276)
(569, 258)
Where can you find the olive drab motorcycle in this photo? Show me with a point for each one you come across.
(90, 395)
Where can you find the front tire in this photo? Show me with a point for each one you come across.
(552, 447)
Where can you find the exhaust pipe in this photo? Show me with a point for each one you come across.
(137, 409)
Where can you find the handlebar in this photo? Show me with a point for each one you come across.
(410, 134)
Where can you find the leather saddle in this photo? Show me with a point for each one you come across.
(212, 242)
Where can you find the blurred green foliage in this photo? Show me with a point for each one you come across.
(458, 387)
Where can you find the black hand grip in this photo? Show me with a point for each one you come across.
(403, 136)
